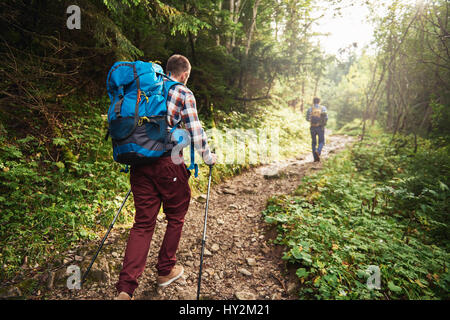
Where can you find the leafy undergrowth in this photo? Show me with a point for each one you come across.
(56, 191)
(378, 204)
(61, 188)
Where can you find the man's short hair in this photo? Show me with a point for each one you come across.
(316, 100)
(177, 64)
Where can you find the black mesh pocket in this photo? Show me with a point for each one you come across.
(122, 128)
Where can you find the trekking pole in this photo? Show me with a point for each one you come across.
(204, 234)
(104, 238)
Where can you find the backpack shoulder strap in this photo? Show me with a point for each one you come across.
(168, 85)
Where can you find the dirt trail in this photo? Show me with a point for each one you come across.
(239, 263)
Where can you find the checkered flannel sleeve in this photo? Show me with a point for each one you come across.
(181, 105)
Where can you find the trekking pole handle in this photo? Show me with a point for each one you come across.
(207, 202)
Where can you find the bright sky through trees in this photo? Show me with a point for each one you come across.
(352, 25)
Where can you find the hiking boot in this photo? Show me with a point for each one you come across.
(176, 272)
(123, 296)
(317, 158)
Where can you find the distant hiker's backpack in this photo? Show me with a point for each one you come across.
(317, 117)
(137, 116)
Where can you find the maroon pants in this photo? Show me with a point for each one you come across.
(162, 181)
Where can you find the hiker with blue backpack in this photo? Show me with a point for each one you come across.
(318, 117)
(147, 109)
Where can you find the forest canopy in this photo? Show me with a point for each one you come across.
(240, 51)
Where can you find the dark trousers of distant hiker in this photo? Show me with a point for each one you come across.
(317, 132)
(160, 182)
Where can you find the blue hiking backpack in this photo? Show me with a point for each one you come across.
(137, 116)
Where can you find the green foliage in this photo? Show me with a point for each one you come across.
(411, 50)
(48, 204)
(348, 96)
(377, 204)
(439, 122)
(353, 128)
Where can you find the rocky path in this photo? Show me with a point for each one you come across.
(240, 262)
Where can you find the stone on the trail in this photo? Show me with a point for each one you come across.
(233, 206)
(67, 260)
(215, 247)
(78, 258)
(115, 254)
(291, 287)
(201, 198)
(229, 191)
(245, 272)
(244, 295)
(276, 296)
(182, 281)
(251, 262)
(271, 174)
(100, 271)
(98, 275)
(220, 221)
(186, 294)
(265, 249)
(207, 253)
(248, 190)
(189, 263)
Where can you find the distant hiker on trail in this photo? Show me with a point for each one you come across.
(164, 182)
(317, 116)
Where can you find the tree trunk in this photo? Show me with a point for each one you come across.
(192, 44)
(235, 18)
(229, 41)
(252, 27)
(316, 86)
(219, 22)
(302, 104)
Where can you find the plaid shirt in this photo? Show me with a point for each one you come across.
(181, 106)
